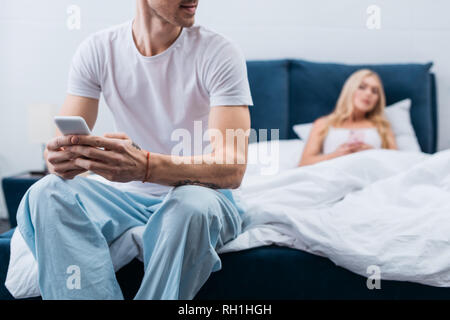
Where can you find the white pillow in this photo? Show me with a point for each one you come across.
(272, 157)
(303, 130)
(398, 115)
(22, 277)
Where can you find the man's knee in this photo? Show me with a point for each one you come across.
(40, 190)
(53, 184)
(196, 201)
(48, 189)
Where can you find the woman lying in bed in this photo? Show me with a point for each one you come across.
(357, 123)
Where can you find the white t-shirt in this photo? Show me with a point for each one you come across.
(150, 97)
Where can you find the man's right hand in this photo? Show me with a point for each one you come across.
(60, 161)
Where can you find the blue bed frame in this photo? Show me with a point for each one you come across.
(288, 92)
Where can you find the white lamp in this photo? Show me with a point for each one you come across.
(41, 127)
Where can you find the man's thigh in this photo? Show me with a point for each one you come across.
(110, 209)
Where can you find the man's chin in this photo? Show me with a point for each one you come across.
(188, 23)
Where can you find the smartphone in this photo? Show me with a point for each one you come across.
(72, 125)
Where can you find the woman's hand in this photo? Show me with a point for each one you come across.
(120, 161)
(363, 147)
(352, 147)
(347, 148)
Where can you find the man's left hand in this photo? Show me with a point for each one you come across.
(120, 161)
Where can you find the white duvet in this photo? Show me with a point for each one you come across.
(389, 209)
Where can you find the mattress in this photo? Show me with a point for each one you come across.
(269, 272)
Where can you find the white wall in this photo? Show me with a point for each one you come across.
(335, 30)
(36, 47)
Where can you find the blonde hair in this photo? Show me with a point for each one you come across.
(344, 106)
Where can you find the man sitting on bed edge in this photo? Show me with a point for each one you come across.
(158, 73)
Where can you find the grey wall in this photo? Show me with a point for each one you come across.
(36, 48)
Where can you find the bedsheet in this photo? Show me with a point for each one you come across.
(379, 210)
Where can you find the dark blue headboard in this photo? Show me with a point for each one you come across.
(288, 92)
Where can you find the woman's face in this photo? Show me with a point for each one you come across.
(367, 95)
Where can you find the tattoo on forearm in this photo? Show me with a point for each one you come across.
(197, 183)
(136, 146)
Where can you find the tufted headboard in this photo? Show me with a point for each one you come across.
(288, 92)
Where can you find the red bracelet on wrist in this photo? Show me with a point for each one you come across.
(147, 168)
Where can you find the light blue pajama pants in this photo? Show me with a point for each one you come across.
(69, 225)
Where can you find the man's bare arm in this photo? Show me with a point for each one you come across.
(123, 161)
(223, 168)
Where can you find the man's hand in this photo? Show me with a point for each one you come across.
(120, 161)
(59, 160)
